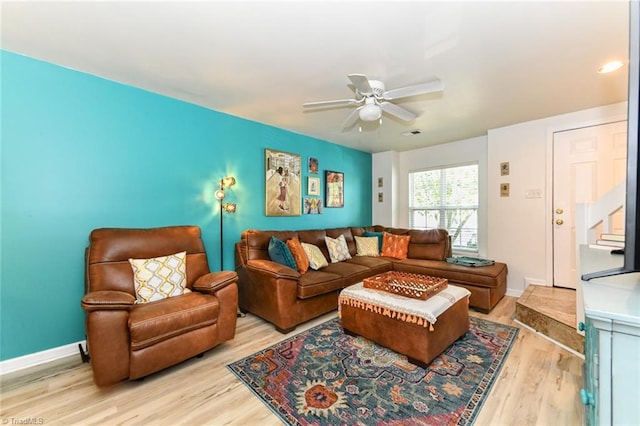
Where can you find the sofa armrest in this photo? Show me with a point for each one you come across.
(107, 300)
(269, 267)
(214, 281)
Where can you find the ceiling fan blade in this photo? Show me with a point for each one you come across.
(361, 83)
(397, 111)
(336, 103)
(417, 89)
(352, 119)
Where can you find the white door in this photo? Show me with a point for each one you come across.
(587, 163)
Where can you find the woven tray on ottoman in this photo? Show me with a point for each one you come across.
(405, 284)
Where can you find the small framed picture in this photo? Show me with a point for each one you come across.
(313, 165)
(313, 185)
(334, 189)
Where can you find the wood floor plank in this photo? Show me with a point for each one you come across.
(538, 385)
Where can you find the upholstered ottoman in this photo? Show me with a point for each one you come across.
(419, 329)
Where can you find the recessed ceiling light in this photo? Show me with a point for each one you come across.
(610, 67)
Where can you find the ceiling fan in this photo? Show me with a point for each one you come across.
(372, 99)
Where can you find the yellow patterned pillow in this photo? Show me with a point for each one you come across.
(367, 246)
(316, 258)
(160, 277)
(338, 249)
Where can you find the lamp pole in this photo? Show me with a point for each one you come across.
(227, 182)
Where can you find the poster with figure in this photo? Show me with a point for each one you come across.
(283, 195)
(334, 189)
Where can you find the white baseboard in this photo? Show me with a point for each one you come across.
(514, 293)
(37, 358)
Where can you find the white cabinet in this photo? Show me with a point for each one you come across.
(611, 379)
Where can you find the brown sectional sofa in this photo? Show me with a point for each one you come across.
(287, 298)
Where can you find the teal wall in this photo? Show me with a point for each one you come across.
(80, 152)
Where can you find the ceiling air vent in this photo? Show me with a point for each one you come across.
(412, 132)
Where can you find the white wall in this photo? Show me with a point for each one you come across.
(385, 166)
(517, 230)
(520, 228)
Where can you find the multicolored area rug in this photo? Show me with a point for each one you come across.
(325, 377)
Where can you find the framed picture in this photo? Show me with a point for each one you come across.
(312, 206)
(282, 185)
(313, 185)
(313, 165)
(334, 189)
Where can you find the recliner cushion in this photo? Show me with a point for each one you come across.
(151, 323)
(159, 277)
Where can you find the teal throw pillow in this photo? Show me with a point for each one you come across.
(279, 252)
(375, 234)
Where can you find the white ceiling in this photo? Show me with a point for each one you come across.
(501, 62)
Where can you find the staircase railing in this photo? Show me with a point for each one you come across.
(589, 216)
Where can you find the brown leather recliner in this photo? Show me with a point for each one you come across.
(128, 340)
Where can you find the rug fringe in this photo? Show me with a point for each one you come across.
(387, 312)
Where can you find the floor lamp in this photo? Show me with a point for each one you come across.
(225, 183)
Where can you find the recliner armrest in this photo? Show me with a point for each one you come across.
(107, 300)
(214, 281)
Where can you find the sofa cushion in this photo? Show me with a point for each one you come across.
(396, 246)
(155, 322)
(377, 235)
(367, 246)
(338, 250)
(377, 265)
(279, 252)
(315, 256)
(159, 277)
(351, 273)
(316, 283)
(298, 254)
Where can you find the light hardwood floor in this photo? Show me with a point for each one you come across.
(538, 385)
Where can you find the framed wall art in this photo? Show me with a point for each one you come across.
(313, 185)
(334, 189)
(282, 188)
(313, 165)
(312, 206)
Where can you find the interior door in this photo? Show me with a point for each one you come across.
(587, 163)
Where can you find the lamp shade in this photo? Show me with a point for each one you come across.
(370, 112)
(219, 194)
(229, 207)
(228, 182)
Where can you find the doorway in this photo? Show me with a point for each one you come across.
(587, 163)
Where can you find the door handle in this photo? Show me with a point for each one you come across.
(559, 222)
(559, 211)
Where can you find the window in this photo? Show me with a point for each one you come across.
(447, 198)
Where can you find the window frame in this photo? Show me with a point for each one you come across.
(441, 208)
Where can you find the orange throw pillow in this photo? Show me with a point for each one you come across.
(396, 246)
(298, 254)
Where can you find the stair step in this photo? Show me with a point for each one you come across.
(551, 311)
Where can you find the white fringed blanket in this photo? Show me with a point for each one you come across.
(420, 312)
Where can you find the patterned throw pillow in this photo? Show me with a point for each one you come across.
(377, 235)
(396, 246)
(338, 249)
(279, 252)
(298, 254)
(315, 256)
(160, 277)
(367, 246)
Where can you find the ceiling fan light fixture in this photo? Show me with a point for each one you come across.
(370, 112)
